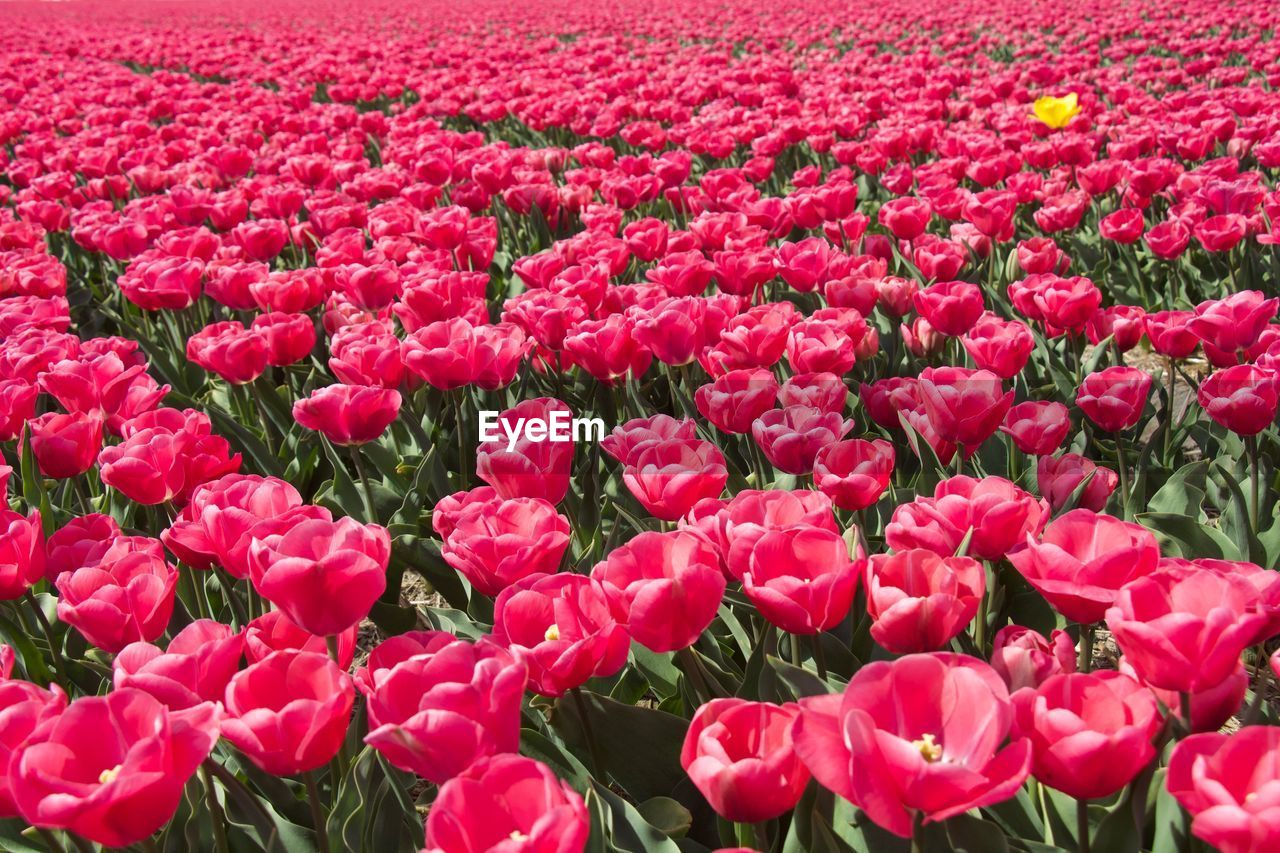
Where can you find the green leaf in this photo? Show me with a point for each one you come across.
(801, 682)
(1183, 493)
(667, 816)
(975, 835)
(1180, 536)
(624, 827)
(639, 746)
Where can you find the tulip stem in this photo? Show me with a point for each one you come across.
(761, 830)
(56, 661)
(1255, 484)
(317, 813)
(365, 489)
(1082, 825)
(1184, 706)
(1123, 465)
(215, 809)
(584, 716)
(917, 832)
(1085, 662)
(819, 656)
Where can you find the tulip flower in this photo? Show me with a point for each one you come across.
(1211, 707)
(1090, 733)
(740, 756)
(1114, 398)
(273, 631)
(963, 406)
(195, 668)
(665, 588)
(80, 542)
(1058, 478)
(668, 477)
(1037, 428)
(23, 708)
(801, 578)
(1054, 112)
(65, 446)
(217, 525)
(1025, 659)
(1183, 629)
(497, 543)
(126, 598)
(1228, 784)
(562, 628)
(348, 414)
(854, 473)
(22, 552)
(1242, 398)
(111, 768)
(924, 734)
(791, 438)
(734, 526)
(289, 712)
(325, 575)
(736, 398)
(918, 601)
(533, 468)
(437, 704)
(505, 800)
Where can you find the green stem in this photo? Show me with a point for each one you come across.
(819, 657)
(366, 489)
(917, 833)
(1123, 465)
(215, 809)
(1255, 483)
(762, 836)
(50, 840)
(317, 813)
(1085, 661)
(1082, 825)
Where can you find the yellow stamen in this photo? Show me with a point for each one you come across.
(929, 748)
(553, 633)
(108, 776)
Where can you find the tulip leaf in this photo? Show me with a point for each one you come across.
(975, 835)
(1183, 493)
(624, 826)
(639, 746)
(1180, 536)
(565, 764)
(801, 682)
(667, 816)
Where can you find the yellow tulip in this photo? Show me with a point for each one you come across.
(1056, 112)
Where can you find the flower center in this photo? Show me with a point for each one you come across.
(517, 835)
(553, 633)
(929, 748)
(109, 775)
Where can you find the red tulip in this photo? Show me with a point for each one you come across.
(739, 754)
(734, 526)
(507, 800)
(963, 406)
(195, 668)
(800, 578)
(80, 542)
(289, 337)
(496, 543)
(562, 628)
(854, 473)
(918, 601)
(1170, 334)
(1234, 322)
(1114, 398)
(228, 349)
(325, 575)
(1122, 226)
(918, 735)
(816, 346)
(736, 398)
(17, 406)
(1124, 324)
(126, 598)
(273, 632)
(103, 384)
(665, 588)
(1211, 707)
(607, 349)
(824, 391)
(23, 708)
(438, 704)
(289, 712)
(1228, 784)
(65, 445)
(993, 512)
(348, 414)
(998, 345)
(1082, 560)
(906, 217)
(1184, 628)
(1090, 733)
(111, 768)
(1242, 398)
(217, 526)
(22, 555)
(157, 465)
(668, 477)
(453, 353)
(1025, 659)
(1168, 240)
(791, 438)
(951, 307)
(1037, 428)
(1058, 477)
(533, 468)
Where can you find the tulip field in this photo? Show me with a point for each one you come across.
(643, 425)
